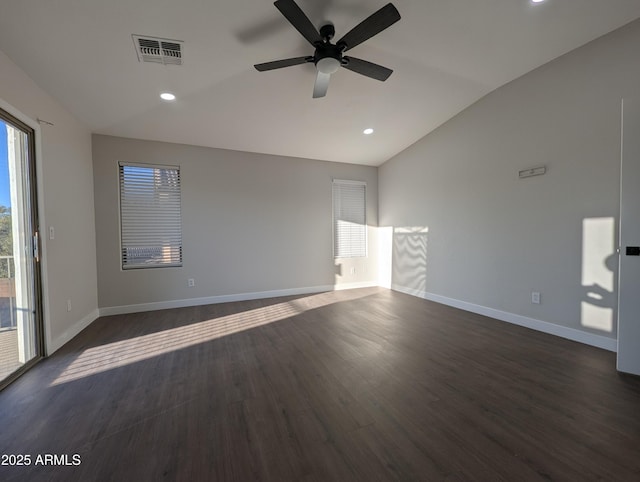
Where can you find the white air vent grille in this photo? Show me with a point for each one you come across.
(158, 50)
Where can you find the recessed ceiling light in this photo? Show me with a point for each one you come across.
(537, 1)
(367, 131)
(167, 96)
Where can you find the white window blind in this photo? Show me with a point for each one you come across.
(349, 219)
(150, 216)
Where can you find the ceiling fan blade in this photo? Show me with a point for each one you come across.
(299, 20)
(279, 64)
(369, 69)
(370, 26)
(322, 85)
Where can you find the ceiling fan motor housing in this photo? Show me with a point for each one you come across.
(328, 58)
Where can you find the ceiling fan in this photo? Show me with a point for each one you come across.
(328, 57)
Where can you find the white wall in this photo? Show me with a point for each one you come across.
(253, 226)
(487, 238)
(66, 181)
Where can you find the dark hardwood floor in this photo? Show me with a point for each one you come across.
(355, 385)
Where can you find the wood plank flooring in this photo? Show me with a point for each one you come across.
(354, 385)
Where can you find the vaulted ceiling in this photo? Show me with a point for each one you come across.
(445, 55)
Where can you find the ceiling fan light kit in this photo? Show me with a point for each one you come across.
(328, 65)
(328, 57)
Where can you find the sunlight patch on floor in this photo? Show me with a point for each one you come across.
(121, 353)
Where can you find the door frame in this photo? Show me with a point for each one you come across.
(12, 116)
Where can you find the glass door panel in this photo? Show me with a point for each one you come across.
(20, 333)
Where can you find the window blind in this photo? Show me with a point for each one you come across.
(349, 219)
(150, 216)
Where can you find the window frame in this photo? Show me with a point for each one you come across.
(365, 248)
(174, 261)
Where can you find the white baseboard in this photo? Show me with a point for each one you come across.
(351, 286)
(210, 300)
(592, 339)
(69, 333)
(580, 336)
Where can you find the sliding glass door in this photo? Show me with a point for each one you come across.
(21, 343)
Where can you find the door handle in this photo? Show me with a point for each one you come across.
(633, 251)
(36, 247)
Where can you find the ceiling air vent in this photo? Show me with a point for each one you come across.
(158, 50)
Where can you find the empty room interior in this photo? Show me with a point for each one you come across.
(320, 240)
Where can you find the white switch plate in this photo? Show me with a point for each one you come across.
(535, 297)
(52, 233)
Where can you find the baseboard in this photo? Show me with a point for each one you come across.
(69, 333)
(351, 286)
(580, 336)
(598, 341)
(211, 300)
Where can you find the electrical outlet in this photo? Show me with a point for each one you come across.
(535, 297)
(191, 282)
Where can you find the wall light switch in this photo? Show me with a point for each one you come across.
(52, 233)
(535, 297)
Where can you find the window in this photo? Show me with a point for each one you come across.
(349, 219)
(150, 216)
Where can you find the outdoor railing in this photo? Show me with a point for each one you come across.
(7, 294)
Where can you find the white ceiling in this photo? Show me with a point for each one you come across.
(446, 54)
